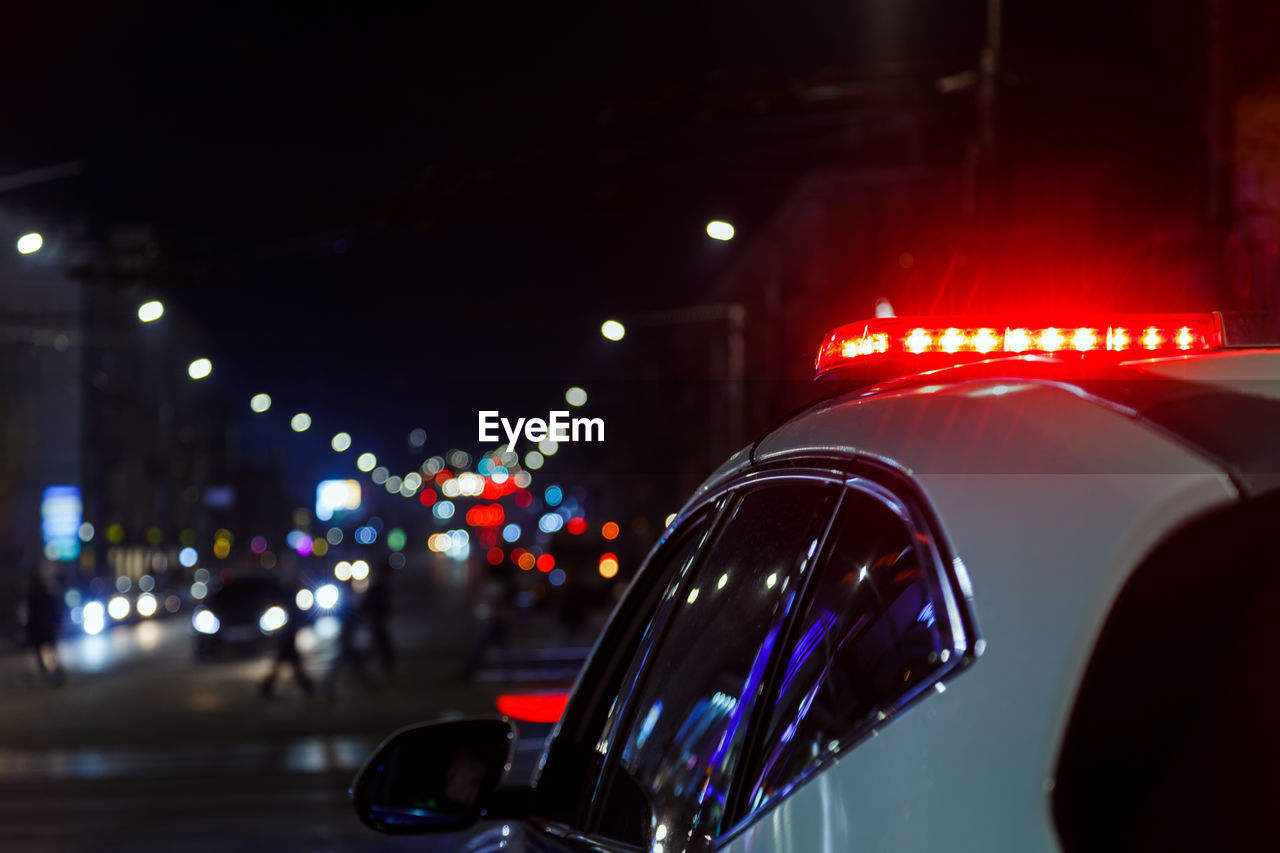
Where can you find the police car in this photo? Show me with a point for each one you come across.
(1024, 598)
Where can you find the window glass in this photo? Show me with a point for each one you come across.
(687, 721)
(573, 756)
(872, 633)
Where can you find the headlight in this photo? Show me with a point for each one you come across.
(95, 617)
(273, 619)
(327, 597)
(118, 607)
(205, 622)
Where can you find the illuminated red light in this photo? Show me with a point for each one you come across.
(1084, 340)
(546, 563)
(532, 707)
(495, 556)
(1051, 340)
(918, 341)
(985, 340)
(427, 497)
(936, 338)
(576, 526)
(1017, 340)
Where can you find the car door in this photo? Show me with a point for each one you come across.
(673, 746)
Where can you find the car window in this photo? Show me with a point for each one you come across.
(573, 760)
(871, 634)
(687, 722)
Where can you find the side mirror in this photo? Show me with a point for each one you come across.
(434, 777)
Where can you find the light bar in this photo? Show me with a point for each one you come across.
(901, 338)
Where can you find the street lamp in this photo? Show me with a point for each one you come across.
(718, 230)
(30, 243)
(149, 312)
(613, 330)
(200, 368)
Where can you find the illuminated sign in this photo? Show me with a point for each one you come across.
(334, 496)
(61, 513)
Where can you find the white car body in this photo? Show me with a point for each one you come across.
(1049, 495)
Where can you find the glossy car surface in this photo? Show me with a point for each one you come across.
(1005, 608)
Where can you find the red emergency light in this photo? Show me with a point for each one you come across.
(964, 338)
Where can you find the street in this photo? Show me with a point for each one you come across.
(142, 749)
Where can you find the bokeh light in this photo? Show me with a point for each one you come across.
(260, 402)
(149, 312)
(613, 330)
(366, 462)
(341, 442)
(575, 396)
(200, 368)
(300, 422)
(719, 230)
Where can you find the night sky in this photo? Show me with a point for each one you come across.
(358, 204)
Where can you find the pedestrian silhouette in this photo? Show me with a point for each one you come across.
(377, 606)
(286, 654)
(44, 622)
(347, 654)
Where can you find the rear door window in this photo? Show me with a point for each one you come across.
(873, 632)
(686, 723)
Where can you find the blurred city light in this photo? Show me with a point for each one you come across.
(342, 571)
(366, 462)
(556, 577)
(29, 243)
(553, 495)
(200, 368)
(149, 312)
(670, 518)
(443, 510)
(260, 403)
(575, 396)
(613, 330)
(94, 616)
(548, 447)
(609, 530)
(380, 475)
(340, 442)
(118, 607)
(300, 422)
(608, 565)
(334, 496)
(273, 619)
(719, 230)
(550, 523)
(188, 557)
(199, 590)
(359, 570)
(205, 622)
(417, 438)
(147, 605)
(533, 460)
(123, 584)
(327, 597)
(413, 481)
(511, 532)
(86, 532)
(304, 599)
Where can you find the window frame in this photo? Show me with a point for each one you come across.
(895, 489)
(585, 701)
(729, 494)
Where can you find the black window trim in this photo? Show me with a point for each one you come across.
(732, 490)
(894, 488)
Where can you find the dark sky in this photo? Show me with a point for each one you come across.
(353, 195)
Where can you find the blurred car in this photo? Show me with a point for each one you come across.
(240, 617)
(1022, 601)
